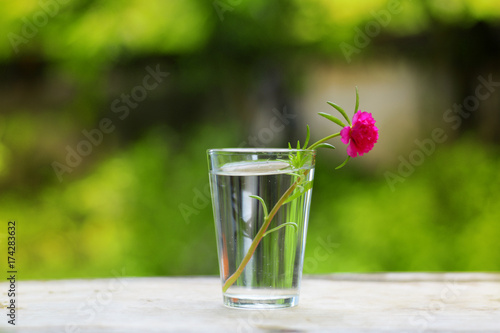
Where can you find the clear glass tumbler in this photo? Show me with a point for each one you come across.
(261, 200)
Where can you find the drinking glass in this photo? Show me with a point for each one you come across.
(261, 200)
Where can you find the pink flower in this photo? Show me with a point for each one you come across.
(362, 135)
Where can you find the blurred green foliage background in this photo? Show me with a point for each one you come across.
(137, 200)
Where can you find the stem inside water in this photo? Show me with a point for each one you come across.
(262, 231)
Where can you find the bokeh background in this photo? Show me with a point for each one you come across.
(108, 107)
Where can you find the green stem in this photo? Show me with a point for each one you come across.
(314, 145)
(267, 221)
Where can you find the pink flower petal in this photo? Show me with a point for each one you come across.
(361, 136)
(344, 135)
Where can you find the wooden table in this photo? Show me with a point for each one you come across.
(391, 302)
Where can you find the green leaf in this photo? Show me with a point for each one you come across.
(339, 109)
(344, 163)
(325, 145)
(300, 190)
(264, 207)
(292, 224)
(332, 118)
(357, 101)
(295, 174)
(308, 185)
(307, 137)
(293, 197)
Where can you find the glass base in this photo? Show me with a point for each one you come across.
(259, 302)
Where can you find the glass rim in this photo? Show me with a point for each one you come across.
(258, 150)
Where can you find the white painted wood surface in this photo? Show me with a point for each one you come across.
(391, 302)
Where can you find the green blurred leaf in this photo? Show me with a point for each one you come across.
(332, 118)
(325, 145)
(342, 112)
